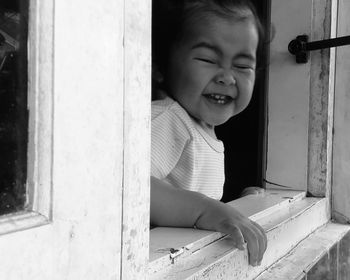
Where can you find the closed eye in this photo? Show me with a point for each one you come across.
(206, 60)
(244, 67)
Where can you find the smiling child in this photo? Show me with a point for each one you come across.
(205, 55)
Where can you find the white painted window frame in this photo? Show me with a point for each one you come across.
(341, 159)
(40, 101)
(71, 229)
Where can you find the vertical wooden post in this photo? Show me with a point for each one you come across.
(324, 16)
(137, 100)
(341, 155)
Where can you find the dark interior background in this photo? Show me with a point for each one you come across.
(13, 106)
(244, 134)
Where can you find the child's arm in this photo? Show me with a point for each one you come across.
(181, 208)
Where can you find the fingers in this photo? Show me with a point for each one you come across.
(234, 232)
(254, 245)
(256, 241)
(263, 240)
(221, 217)
(250, 232)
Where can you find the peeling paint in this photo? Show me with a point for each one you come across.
(321, 102)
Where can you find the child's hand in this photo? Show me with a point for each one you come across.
(177, 207)
(224, 218)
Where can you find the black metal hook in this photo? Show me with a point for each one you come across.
(300, 46)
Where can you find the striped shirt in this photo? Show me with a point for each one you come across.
(182, 153)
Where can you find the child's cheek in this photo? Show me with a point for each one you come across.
(246, 84)
(245, 88)
(201, 77)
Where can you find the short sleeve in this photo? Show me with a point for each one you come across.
(169, 138)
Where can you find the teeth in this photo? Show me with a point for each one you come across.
(219, 98)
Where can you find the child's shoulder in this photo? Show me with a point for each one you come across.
(162, 104)
(170, 107)
(169, 113)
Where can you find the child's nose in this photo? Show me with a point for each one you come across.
(225, 78)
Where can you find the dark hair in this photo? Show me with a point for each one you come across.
(170, 17)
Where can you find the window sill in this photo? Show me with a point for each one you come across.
(21, 221)
(322, 255)
(183, 253)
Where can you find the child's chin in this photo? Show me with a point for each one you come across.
(216, 120)
(220, 122)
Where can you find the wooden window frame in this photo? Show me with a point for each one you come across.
(340, 177)
(40, 100)
(71, 228)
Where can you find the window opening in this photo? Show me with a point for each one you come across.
(13, 105)
(244, 134)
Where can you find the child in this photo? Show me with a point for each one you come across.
(205, 54)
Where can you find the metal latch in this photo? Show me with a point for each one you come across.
(300, 46)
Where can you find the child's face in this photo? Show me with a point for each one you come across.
(212, 70)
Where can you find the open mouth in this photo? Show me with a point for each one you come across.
(218, 98)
